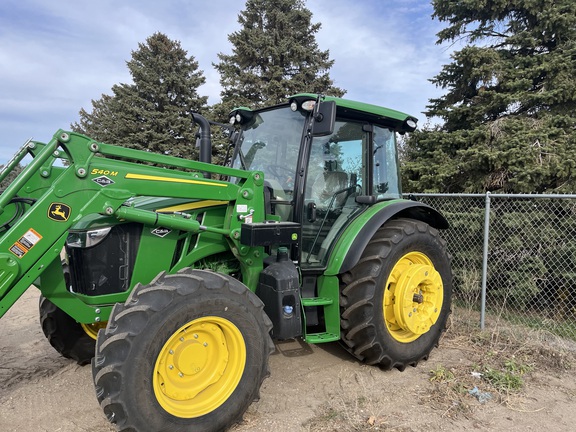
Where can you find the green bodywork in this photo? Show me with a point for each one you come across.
(102, 185)
(24, 262)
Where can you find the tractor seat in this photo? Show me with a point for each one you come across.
(326, 185)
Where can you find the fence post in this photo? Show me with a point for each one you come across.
(485, 259)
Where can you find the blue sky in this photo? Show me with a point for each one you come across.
(56, 56)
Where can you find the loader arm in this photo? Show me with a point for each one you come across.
(100, 179)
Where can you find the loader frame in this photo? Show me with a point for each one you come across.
(99, 179)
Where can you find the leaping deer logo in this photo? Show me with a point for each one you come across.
(59, 212)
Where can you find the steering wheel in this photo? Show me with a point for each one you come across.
(336, 202)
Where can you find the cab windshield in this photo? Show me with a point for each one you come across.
(271, 144)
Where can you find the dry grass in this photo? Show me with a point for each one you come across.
(359, 410)
(499, 361)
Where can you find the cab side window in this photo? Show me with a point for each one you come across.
(386, 179)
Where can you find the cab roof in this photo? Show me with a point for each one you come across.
(364, 111)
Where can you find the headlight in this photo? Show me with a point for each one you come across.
(86, 239)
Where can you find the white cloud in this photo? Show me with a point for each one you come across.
(384, 55)
(57, 56)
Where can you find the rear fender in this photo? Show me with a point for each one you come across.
(353, 241)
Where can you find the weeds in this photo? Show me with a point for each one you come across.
(494, 367)
(508, 377)
(503, 381)
(441, 374)
(499, 363)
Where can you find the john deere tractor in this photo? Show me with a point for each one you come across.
(173, 277)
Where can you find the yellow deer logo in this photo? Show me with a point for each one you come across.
(59, 212)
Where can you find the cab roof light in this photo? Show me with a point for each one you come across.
(308, 105)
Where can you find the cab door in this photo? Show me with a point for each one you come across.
(335, 176)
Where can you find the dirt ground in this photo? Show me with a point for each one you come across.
(315, 388)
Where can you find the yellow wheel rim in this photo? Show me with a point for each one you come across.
(413, 297)
(199, 367)
(92, 329)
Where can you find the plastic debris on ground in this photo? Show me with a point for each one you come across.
(482, 397)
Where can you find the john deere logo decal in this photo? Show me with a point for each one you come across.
(59, 212)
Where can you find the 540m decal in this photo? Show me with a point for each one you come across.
(96, 171)
(103, 179)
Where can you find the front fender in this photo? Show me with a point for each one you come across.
(353, 241)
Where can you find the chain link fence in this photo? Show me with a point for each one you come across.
(513, 256)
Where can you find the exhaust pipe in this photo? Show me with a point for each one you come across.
(205, 140)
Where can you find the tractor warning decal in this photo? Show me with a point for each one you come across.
(59, 212)
(25, 243)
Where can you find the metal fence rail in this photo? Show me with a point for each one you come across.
(513, 256)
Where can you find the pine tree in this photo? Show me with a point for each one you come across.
(274, 55)
(10, 177)
(153, 113)
(509, 113)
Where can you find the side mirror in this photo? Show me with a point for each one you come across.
(324, 119)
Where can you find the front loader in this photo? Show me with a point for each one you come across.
(173, 277)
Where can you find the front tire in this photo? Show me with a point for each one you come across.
(396, 300)
(189, 351)
(70, 338)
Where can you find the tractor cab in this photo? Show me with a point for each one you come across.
(325, 161)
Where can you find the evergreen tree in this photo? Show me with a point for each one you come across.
(509, 113)
(153, 113)
(274, 55)
(10, 177)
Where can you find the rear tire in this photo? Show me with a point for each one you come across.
(396, 300)
(188, 351)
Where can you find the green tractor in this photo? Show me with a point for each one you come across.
(173, 277)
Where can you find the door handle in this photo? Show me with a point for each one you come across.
(311, 211)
